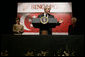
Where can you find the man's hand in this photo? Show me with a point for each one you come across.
(18, 31)
(61, 20)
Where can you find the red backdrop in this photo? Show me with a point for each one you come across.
(63, 28)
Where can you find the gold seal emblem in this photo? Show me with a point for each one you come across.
(44, 20)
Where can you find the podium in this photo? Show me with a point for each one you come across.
(44, 24)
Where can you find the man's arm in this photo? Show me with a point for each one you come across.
(59, 22)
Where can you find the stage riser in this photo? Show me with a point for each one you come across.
(18, 45)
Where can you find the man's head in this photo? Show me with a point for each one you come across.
(47, 9)
(74, 20)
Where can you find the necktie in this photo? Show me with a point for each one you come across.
(46, 15)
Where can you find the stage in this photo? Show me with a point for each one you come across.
(17, 45)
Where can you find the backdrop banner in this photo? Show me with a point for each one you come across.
(27, 11)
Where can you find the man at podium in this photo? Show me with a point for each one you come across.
(46, 28)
